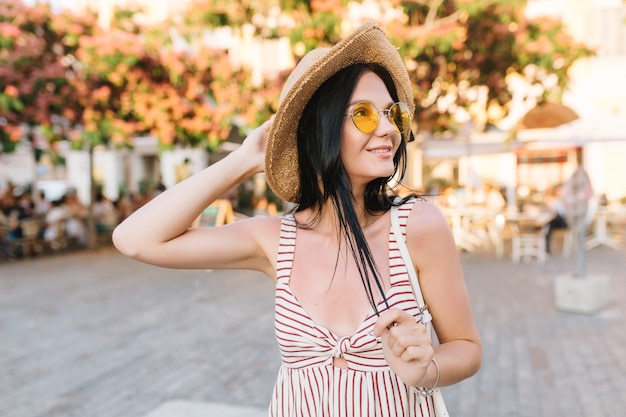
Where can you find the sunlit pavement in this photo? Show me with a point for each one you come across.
(94, 334)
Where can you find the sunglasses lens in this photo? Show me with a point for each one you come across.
(400, 116)
(365, 117)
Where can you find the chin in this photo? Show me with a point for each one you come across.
(386, 173)
(379, 175)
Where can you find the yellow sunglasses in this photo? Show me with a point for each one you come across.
(365, 117)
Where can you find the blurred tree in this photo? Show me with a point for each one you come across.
(37, 66)
(64, 75)
(321, 26)
(462, 54)
(131, 80)
(141, 84)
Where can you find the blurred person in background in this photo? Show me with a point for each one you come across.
(104, 213)
(556, 206)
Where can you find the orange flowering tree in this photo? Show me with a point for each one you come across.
(460, 53)
(36, 70)
(131, 80)
(319, 23)
(63, 74)
(142, 85)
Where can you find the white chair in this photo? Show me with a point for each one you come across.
(528, 241)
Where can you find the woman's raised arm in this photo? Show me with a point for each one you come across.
(159, 233)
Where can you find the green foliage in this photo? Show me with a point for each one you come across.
(215, 13)
(36, 67)
(108, 86)
(322, 29)
(8, 103)
(123, 19)
(473, 46)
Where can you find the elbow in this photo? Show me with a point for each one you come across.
(478, 358)
(124, 242)
(472, 359)
(477, 365)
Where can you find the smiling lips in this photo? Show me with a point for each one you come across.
(380, 150)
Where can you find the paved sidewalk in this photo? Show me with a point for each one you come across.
(99, 335)
(182, 408)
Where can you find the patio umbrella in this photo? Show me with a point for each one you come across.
(547, 115)
(579, 132)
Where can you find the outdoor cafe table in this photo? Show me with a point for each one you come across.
(471, 226)
(603, 216)
(529, 219)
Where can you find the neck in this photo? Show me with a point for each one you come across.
(329, 215)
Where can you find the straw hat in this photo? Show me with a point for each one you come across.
(367, 44)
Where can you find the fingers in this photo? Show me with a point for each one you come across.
(403, 337)
(254, 146)
(261, 131)
(410, 346)
(421, 354)
(266, 125)
(391, 318)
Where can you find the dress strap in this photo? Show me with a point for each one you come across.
(403, 214)
(286, 247)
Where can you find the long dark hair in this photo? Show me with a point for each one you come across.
(323, 176)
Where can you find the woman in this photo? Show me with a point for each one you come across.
(347, 324)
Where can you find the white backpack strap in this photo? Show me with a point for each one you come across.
(438, 401)
(406, 257)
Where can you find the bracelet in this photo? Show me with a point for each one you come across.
(424, 392)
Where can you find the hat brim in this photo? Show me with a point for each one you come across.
(366, 45)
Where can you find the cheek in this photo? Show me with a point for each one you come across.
(351, 141)
(397, 141)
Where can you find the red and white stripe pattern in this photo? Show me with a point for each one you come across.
(308, 384)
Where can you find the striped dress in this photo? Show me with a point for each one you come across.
(308, 385)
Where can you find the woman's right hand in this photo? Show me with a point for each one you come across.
(254, 146)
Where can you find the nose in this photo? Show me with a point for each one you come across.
(385, 125)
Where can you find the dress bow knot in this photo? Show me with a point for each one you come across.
(342, 347)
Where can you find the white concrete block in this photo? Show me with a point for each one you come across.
(586, 295)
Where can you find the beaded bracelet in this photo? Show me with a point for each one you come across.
(424, 392)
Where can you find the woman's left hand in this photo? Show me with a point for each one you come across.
(407, 345)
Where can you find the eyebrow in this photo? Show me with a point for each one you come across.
(352, 103)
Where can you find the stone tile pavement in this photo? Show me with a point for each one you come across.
(94, 334)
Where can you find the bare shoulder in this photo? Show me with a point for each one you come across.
(428, 233)
(250, 243)
(426, 218)
(264, 230)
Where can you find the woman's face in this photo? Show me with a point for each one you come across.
(367, 156)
